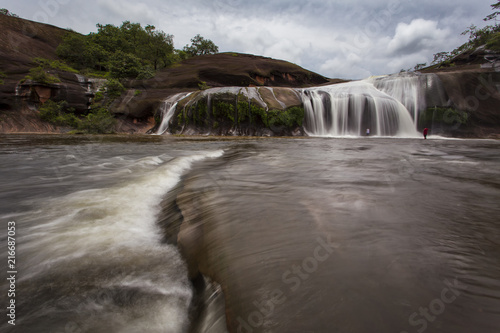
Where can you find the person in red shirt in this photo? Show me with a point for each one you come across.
(425, 132)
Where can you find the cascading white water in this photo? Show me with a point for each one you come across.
(415, 91)
(167, 109)
(381, 106)
(96, 260)
(387, 106)
(348, 109)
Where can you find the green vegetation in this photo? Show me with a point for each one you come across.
(4, 11)
(40, 75)
(58, 114)
(128, 51)
(114, 88)
(54, 64)
(236, 111)
(98, 97)
(2, 76)
(243, 109)
(223, 110)
(289, 118)
(258, 114)
(442, 116)
(97, 121)
(203, 85)
(200, 46)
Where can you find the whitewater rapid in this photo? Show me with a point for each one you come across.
(95, 259)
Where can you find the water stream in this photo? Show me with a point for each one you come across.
(302, 235)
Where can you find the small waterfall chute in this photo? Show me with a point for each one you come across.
(167, 110)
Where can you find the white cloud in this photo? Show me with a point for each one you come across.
(419, 35)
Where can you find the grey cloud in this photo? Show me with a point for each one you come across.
(336, 38)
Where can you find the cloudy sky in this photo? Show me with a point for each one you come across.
(336, 38)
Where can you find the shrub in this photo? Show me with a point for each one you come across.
(124, 65)
(114, 88)
(289, 118)
(145, 73)
(444, 116)
(58, 114)
(38, 74)
(243, 111)
(98, 121)
(223, 110)
(203, 85)
(54, 64)
(494, 42)
(99, 96)
(257, 112)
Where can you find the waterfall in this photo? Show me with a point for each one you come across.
(387, 105)
(167, 110)
(348, 109)
(415, 91)
(380, 106)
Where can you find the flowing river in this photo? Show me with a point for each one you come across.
(301, 234)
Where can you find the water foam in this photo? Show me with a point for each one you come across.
(111, 235)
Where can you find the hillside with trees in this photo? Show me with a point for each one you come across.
(127, 51)
(123, 73)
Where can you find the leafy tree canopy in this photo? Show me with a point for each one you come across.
(4, 11)
(200, 46)
(129, 50)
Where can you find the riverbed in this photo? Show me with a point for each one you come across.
(297, 234)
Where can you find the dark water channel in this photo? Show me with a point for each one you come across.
(303, 235)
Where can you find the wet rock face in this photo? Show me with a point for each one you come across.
(259, 111)
(76, 90)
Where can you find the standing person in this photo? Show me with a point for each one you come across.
(367, 131)
(425, 132)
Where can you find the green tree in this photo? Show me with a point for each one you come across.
(40, 75)
(200, 46)
(81, 52)
(123, 65)
(114, 88)
(4, 11)
(110, 38)
(419, 66)
(98, 121)
(478, 37)
(494, 42)
(158, 48)
(58, 113)
(440, 57)
(493, 16)
(125, 51)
